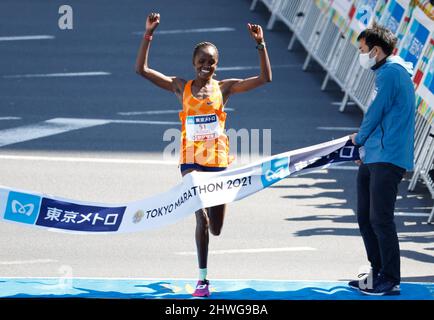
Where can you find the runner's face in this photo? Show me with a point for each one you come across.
(205, 62)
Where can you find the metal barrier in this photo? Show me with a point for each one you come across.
(314, 27)
(306, 24)
(343, 61)
(426, 164)
(286, 11)
(323, 42)
(422, 137)
(361, 88)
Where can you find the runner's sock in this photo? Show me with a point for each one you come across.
(202, 274)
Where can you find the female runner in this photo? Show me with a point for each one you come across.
(204, 145)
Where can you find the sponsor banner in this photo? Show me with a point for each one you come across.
(364, 14)
(425, 89)
(22, 207)
(417, 37)
(394, 14)
(323, 5)
(342, 7)
(341, 13)
(197, 190)
(427, 6)
(70, 216)
(424, 110)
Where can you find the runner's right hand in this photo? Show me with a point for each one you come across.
(152, 22)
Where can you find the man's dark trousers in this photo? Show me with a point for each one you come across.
(377, 188)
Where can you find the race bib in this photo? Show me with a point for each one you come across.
(202, 127)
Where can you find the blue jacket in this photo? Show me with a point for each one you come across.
(387, 129)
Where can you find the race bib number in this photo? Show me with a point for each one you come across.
(202, 127)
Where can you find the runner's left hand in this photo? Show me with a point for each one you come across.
(256, 32)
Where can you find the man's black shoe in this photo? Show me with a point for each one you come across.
(383, 287)
(365, 280)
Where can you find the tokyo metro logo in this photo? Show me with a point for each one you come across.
(274, 170)
(22, 207)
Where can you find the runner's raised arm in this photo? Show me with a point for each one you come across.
(231, 86)
(169, 83)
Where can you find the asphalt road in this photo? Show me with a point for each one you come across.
(301, 228)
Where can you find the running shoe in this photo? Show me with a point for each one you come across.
(202, 289)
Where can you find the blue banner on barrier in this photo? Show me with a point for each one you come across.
(416, 38)
(393, 16)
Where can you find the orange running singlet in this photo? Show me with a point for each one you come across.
(203, 140)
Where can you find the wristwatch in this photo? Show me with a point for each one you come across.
(260, 46)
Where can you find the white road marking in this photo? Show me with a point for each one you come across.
(411, 214)
(35, 37)
(123, 161)
(234, 68)
(145, 122)
(261, 250)
(44, 129)
(22, 262)
(54, 75)
(152, 112)
(10, 118)
(353, 129)
(338, 103)
(343, 168)
(86, 159)
(338, 167)
(197, 30)
(407, 224)
(414, 196)
(61, 125)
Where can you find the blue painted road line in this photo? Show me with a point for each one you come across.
(182, 289)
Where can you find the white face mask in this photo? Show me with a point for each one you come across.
(365, 61)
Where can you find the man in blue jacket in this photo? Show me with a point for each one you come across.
(387, 135)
